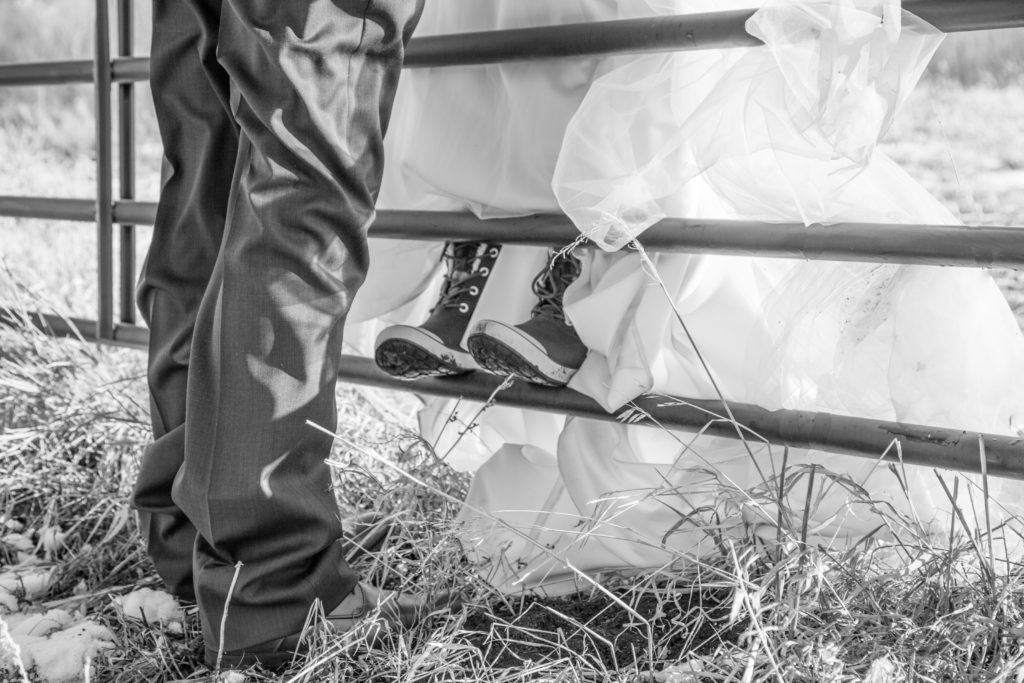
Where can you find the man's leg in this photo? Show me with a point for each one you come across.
(312, 83)
(190, 93)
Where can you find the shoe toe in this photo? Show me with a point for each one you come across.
(394, 608)
(366, 533)
(368, 614)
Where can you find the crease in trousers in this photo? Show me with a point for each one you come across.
(272, 115)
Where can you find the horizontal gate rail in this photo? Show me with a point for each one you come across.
(129, 336)
(122, 70)
(918, 444)
(948, 245)
(953, 16)
(129, 69)
(627, 36)
(873, 242)
(49, 208)
(46, 73)
(667, 34)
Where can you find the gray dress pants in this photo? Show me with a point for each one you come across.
(272, 114)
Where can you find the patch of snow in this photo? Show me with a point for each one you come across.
(12, 524)
(883, 670)
(8, 602)
(18, 541)
(39, 625)
(158, 607)
(51, 539)
(34, 581)
(10, 653)
(52, 645)
(686, 672)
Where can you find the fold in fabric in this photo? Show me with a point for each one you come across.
(808, 108)
(784, 132)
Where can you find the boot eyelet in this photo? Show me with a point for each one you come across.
(485, 271)
(474, 290)
(494, 252)
(463, 307)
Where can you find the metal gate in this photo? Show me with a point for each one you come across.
(921, 244)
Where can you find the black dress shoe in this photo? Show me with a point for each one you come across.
(365, 533)
(368, 612)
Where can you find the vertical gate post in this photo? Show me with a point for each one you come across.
(104, 182)
(126, 165)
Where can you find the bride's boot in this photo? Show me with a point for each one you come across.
(435, 347)
(543, 350)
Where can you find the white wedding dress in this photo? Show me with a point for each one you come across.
(785, 132)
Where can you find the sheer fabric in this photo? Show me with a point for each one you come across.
(784, 132)
(780, 131)
(483, 139)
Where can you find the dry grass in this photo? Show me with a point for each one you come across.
(919, 608)
(73, 423)
(985, 58)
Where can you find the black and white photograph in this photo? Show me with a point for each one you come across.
(511, 341)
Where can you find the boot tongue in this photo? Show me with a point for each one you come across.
(550, 286)
(549, 289)
(462, 267)
(460, 276)
(464, 260)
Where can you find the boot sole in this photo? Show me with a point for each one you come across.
(411, 353)
(502, 350)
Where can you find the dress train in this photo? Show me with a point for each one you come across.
(785, 132)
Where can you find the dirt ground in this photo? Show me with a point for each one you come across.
(601, 629)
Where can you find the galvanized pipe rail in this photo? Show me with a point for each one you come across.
(936, 245)
(104, 179)
(126, 167)
(927, 244)
(918, 444)
(625, 36)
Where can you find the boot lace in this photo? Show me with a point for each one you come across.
(460, 260)
(550, 285)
